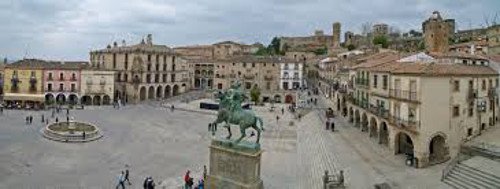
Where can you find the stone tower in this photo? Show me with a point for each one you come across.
(436, 33)
(336, 35)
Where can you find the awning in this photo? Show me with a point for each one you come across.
(24, 97)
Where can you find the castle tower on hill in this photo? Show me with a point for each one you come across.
(436, 33)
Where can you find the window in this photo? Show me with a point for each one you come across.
(164, 59)
(61, 87)
(149, 67)
(164, 66)
(172, 78)
(384, 82)
(126, 61)
(157, 66)
(114, 60)
(157, 78)
(490, 84)
(164, 78)
(469, 132)
(157, 58)
(32, 73)
(73, 76)
(244, 64)
(49, 87)
(268, 85)
(73, 87)
(173, 59)
(61, 76)
(253, 65)
(248, 85)
(456, 85)
(148, 78)
(149, 58)
(483, 85)
(50, 76)
(375, 79)
(125, 78)
(173, 67)
(471, 109)
(496, 83)
(456, 111)
(464, 61)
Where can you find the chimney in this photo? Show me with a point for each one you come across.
(149, 39)
(124, 43)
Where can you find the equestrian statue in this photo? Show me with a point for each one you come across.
(231, 112)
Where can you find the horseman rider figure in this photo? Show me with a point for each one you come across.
(230, 112)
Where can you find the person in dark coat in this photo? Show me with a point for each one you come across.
(43, 118)
(57, 120)
(31, 119)
(126, 172)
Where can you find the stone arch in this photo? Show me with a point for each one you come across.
(403, 144)
(183, 87)
(49, 97)
(159, 92)
(142, 93)
(373, 127)
(86, 100)
(60, 98)
(438, 149)
(175, 90)
(73, 99)
(383, 134)
(357, 118)
(364, 122)
(277, 98)
(151, 92)
(106, 100)
(167, 91)
(97, 100)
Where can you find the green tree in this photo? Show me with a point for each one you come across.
(321, 51)
(255, 94)
(382, 40)
(351, 47)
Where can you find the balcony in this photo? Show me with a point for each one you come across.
(379, 111)
(362, 83)
(248, 76)
(409, 124)
(403, 95)
(50, 78)
(268, 77)
(61, 78)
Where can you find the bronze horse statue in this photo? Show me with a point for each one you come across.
(230, 112)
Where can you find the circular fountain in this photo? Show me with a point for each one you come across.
(71, 131)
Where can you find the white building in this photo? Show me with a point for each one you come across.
(291, 76)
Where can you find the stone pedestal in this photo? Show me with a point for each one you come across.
(234, 166)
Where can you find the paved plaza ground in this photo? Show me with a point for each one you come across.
(153, 141)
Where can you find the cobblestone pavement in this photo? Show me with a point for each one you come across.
(156, 142)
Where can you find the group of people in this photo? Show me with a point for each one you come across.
(122, 178)
(117, 104)
(189, 181)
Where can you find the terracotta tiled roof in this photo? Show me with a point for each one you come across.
(457, 55)
(377, 59)
(138, 47)
(247, 59)
(43, 64)
(432, 69)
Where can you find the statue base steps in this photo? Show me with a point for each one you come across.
(234, 166)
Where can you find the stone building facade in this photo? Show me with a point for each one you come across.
(220, 50)
(97, 86)
(436, 33)
(308, 43)
(143, 71)
(380, 29)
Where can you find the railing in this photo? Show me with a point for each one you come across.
(379, 111)
(411, 125)
(471, 94)
(50, 78)
(403, 94)
(450, 166)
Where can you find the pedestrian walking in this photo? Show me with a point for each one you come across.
(282, 111)
(47, 121)
(1, 110)
(67, 111)
(204, 172)
(277, 118)
(187, 180)
(57, 120)
(209, 127)
(31, 119)
(43, 118)
(121, 179)
(27, 120)
(172, 108)
(67, 119)
(83, 136)
(127, 177)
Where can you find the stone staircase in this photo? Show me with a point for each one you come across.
(465, 176)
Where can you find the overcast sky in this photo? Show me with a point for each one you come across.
(68, 29)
